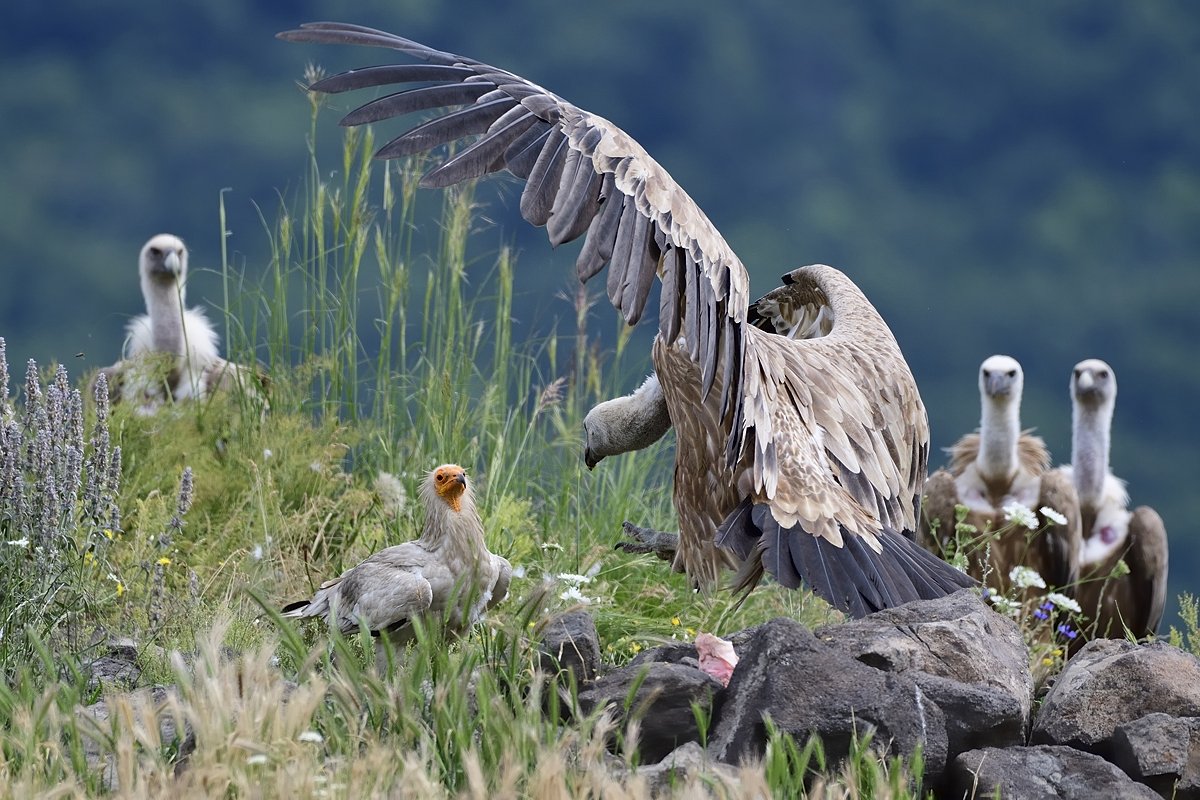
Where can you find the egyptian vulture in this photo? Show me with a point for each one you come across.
(1110, 531)
(447, 577)
(997, 466)
(806, 458)
(171, 351)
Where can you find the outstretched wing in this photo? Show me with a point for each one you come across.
(583, 175)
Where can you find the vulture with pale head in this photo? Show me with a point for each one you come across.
(803, 457)
(171, 351)
(1111, 532)
(996, 467)
(447, 577)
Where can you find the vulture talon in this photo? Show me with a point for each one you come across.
(648, 540)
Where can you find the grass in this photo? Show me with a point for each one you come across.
(181, 528)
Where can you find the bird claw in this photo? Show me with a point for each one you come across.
(647, 540)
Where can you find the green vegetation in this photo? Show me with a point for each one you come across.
(185, 529)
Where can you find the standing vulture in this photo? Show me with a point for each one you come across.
(805, 457)
(1134, 601)
(995, 467)
(171, 351)
(447, 576)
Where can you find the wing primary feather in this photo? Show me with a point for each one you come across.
(602, 233)
(542, 184)
(483, 156)
(522, 154)
(691, 306)
(775, 552)
(419, 99)
(446, 128)
(367, 77)
(731, 369)
(639, 279)
(633, 226)
(577, 202)
(669, 295)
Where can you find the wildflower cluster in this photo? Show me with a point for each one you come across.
(58, 506)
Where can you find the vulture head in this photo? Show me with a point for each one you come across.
(1093, 384)
(627, 423)
(449, 484)
(1001, 379)
(163, 262)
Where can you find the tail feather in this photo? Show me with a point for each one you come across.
(853, 578)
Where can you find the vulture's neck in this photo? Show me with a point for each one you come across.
(638, 420)
(999, 431)
(164, 305)
(456, 534)
(1090, 434)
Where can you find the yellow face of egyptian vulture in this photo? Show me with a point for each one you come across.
(450, 481)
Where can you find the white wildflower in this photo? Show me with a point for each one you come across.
(1005, 605)
(257, 759)
(257, 552)
(267, 453)
(312, 737)
(1020, 514)
(1064, 602)
(22, 542)
(1024, 577)
(573, 595)
(1052, 515)
(518, 571)
(573, 578)
(551, 546)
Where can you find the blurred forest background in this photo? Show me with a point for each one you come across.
(1019, 178)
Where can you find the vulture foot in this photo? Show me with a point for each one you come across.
(647, 540)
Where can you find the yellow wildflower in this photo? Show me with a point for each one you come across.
(89, 557)
(675, 621)
(108, 534)
(690, 631)
(164, 561)
(120, 588)
(1047, 662)
(635, 647)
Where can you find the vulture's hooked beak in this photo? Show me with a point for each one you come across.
(998, 384)
(461, 479)
(1086, 382)
(589, 459)
(171, 262)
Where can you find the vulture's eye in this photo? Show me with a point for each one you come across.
(1012, 373)
(1102, 373)
(154, 251)
(441, 477)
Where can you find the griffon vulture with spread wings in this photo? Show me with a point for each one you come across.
(804, 457)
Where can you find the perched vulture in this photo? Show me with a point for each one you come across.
(805, 458)
(997, 466)
(1110, 531)
(447, 576)
(171, 351)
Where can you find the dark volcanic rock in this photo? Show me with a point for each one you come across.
(1110, 683)
(146, 703)
(662, 702)
(1041, 773)
(807, 687)
(1160, 750)
(570, 643)
(969, 660)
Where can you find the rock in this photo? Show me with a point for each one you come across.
(144, 703)
(570, 643)
(662, 703)
(679, 766)
(1160, 750)
(807, 687)
(119, 665)
(969, 660)
(1044, 772)
(1110, 683)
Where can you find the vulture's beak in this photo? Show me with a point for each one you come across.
(589, 459)
(171, 262)
(998, 384)
(1085, 382)
(461, 479)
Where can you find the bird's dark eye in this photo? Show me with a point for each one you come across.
(441, 478)
(154, 251)
(1012, 373)
(1102, 373)
(1078, 373)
